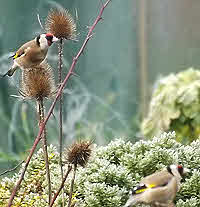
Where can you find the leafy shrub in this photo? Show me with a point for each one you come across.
(175, 106)
(110, 173)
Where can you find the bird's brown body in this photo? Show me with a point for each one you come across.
(158, 189)
(159, 196)
(160, 178)
(30, 54)
(165, 190)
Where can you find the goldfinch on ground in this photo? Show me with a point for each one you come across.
(158, 189)
(32, 53)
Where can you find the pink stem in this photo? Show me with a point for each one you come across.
(23, 172)
(75, 59)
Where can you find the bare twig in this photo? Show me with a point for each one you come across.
(61, 186)
(13, 169)
(72, 185)
(25, 167)
(41, 119)
(38, 17)
(75, 59)
(76, 14)
(60, 65)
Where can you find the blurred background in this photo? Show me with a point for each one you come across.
(137, 42)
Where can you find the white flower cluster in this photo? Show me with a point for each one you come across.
(174, 106)
(111, 172)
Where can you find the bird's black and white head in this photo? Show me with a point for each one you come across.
(177, 170)
(45, 40)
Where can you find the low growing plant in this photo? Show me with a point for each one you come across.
(110, 173)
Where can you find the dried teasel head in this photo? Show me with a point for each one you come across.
(60, 23)
(38, 82)
(79, 153)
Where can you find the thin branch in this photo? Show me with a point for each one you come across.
(75, 74)
(44, 139)
(12, 169)
(76, 14)
(61, 186)
(37, 140)
(60, 67)
(75, 59)
(38, 17)
(72, 185)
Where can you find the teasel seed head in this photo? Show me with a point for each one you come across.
(79, 153)
(60, 23)
(38, 82)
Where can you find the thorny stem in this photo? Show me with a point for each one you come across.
(44, 139)
(72, 185)
(60, 66)
(75, 59)
(61, 186)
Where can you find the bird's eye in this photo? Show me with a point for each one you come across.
(49, 38)
(180, 169)
(38, 40)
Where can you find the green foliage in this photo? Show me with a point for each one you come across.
(110, 173)
(175, 106)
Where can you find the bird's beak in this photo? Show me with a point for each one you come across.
(186, 170)
(55, 39)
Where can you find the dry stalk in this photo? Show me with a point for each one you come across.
(13, 169)
(61, 186)
(60, 65)
(44, 139)
(60, 90)
(72, 185)
(60, 23)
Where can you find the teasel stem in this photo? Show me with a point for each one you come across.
(72, 185)
(62, 185)
(40, 105)
(60, 90)
(60, 66)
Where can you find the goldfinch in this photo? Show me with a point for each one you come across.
(158, 189)
(32, 53)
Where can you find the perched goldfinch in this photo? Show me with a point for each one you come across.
(158, 189)
(31, 53)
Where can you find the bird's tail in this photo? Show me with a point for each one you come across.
(131, 201)
(9, 73)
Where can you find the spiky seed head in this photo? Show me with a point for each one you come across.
(60, 23)
(38, 82)
(79, 153)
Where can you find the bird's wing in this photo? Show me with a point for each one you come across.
(23, 49)
(157, 179)
(162, 194)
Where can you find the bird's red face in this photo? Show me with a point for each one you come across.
(50, 38)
